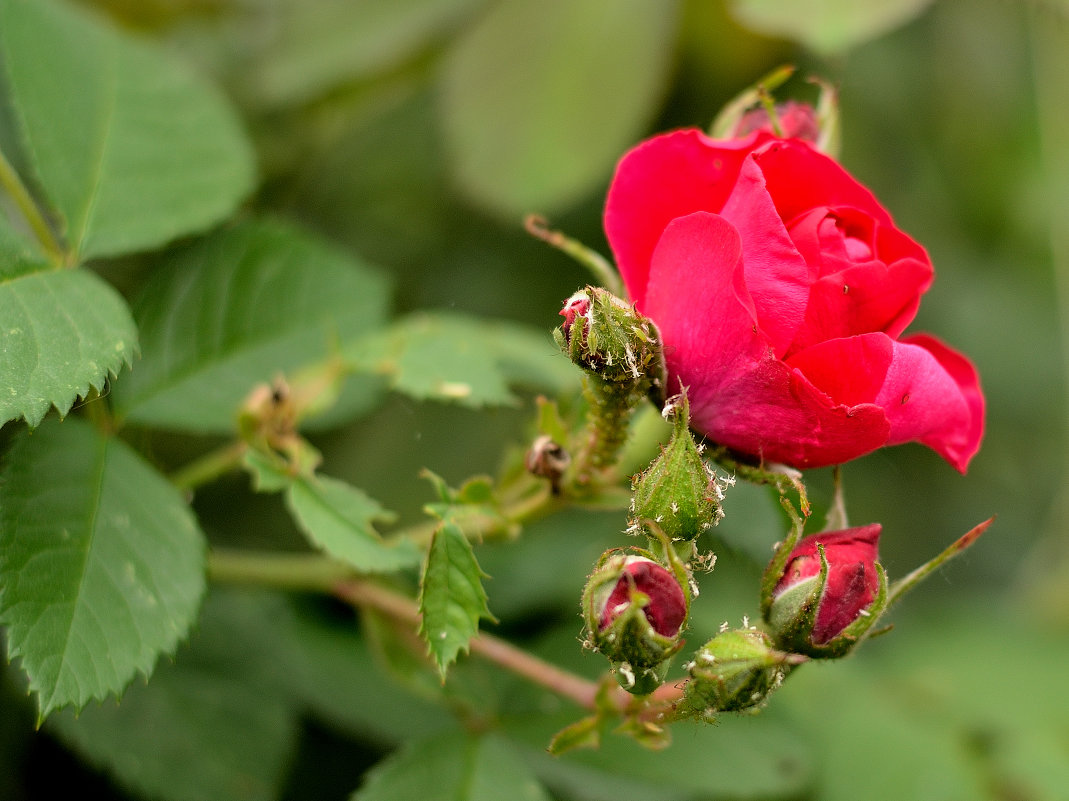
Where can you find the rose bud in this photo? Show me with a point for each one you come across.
(635, 610)
(830, 593)
(678, 492)
(606, 336)
(735, 670)
(796, 121)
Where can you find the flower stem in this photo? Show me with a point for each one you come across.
(31, 212)
(608, 417)
(286, 571)
(209, 467)
(603, 272)
(911, 580)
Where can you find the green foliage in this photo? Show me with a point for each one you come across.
(451, 357)
(452, 767)
(220, 706)
(101, 566)
(321, 43)
(335, 517)
(238, 308)
(64, 332)
(451, 598)
(338, 518)
(827, 27)
(524, 134)
(130, 148)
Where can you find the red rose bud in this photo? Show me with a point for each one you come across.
(830, 593)
(606, 336)
(735, 670)
(796, 121)
(635, 610)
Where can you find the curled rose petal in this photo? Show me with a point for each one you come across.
(780, 286)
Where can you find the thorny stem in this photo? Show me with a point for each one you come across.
(314, 573)
(604, 272)
(779, 476)
(608, 417)
(31, 212)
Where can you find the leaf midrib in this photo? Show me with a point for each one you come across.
(91, 526)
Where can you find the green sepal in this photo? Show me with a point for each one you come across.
(734, 671)
(678, 491)
(642, 681)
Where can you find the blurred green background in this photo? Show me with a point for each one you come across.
(418, 133)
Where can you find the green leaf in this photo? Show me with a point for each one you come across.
(64, 332)
(214, 724)
(319, 44)
(540, 99)
(130, 147)
(827, 26)
(235, 310)
(452, 598)
(742, 757)
(19, 253)
(101, 563)
(467, 360)
(452, 767)
(339, 519)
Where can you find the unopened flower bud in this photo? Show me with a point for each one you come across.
(735, 670)
(547, 458)
(830, 593)
(678, 492)
(635, 610)
(604, 335)
(796, 121)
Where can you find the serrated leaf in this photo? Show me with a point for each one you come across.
(452, 767)
(827, 26)
(130, 147)
(235, 310)
(63, 332)
(219, 706)
(467, 360)
(101, 563)
(540, 99)
(339, 519)
(452, 598)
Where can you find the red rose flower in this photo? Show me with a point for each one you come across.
(852, 581)
(781, 288)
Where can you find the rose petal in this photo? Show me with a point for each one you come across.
(953, 434)
(777, 276)
(929, 393)
(666, 177)
(800, 178)
(863, 298)
(740, 394)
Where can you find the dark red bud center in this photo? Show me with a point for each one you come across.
(667, 605)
